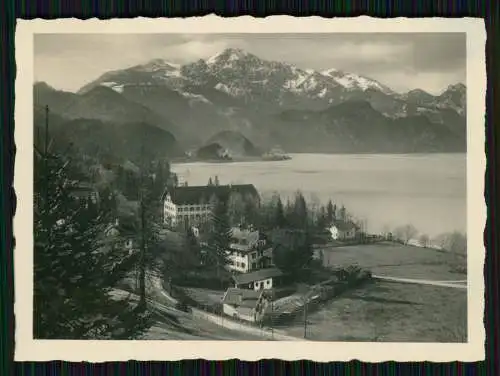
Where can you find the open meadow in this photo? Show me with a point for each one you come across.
(387, 311)
(397, 260)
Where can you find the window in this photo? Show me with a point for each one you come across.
(253, 256)
(243, 265)
(268, 282)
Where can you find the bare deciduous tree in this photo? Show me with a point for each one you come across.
(405, 233)
(424, 240)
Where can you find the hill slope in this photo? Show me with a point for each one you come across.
(235, 143)
(356, 127)
(136, 142)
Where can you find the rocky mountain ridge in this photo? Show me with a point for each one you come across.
(236, 91)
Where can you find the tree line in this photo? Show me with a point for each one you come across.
(80, 257)
(454, 241)
(76, 267)
(290, 227)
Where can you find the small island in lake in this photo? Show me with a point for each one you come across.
(232, 146)
(275, 154)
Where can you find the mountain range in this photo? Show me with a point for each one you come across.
(269, 103)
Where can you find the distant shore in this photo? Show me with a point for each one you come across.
(232, 160)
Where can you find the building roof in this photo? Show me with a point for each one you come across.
(243, 239)
(345, 225)
(258, 275)
(242, 297)
(193, 195)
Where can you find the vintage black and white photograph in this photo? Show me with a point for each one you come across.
(237, 186)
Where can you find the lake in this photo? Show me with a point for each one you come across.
(426, 190)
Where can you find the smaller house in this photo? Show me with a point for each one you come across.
(343, 230)
(263, 279)
(244, 304)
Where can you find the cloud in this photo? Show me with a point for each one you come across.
(193, 50)
(432, 82)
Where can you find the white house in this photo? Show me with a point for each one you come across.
(246, 305)
(245, 250)
(263, 279)
(193, 205)
(343, 230)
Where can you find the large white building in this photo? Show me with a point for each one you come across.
(193, 205)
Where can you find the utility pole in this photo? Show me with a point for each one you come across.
(142, 259)
(45, 158)
(305, 317)
(272, 313)
(46, 143)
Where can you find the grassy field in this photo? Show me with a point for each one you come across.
(378, 311)
(205, 296)
(398, 260)
(390, 312)
(395, 312)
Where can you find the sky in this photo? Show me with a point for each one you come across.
(402, 61)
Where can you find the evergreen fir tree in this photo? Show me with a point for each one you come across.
(220, 236)
(293, 250)
(193, 247)
(236, 209)
(279, 215)
(343, 214)
(330, 212)
(75, 270)
(322, 219)
(149, 226)
(300, 214)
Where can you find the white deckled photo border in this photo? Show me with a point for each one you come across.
(29, 349)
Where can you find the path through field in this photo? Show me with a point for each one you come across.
(462, 284)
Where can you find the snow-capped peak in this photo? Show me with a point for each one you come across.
(158, 64)
(353, 81)
(229, 54)
(329, 72)
(213, 59)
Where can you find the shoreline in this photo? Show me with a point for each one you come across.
(233, 160)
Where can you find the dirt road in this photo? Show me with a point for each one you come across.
(265, 333)
(452, 284)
